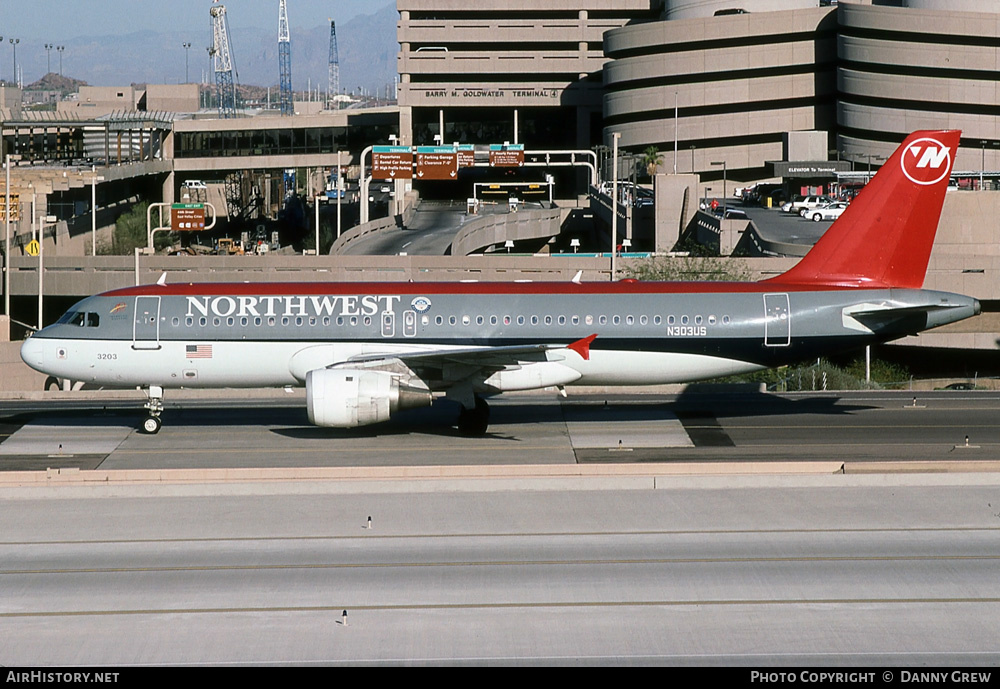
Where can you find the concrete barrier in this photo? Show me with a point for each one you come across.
(489, 230)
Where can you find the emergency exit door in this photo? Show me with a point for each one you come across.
(777, 321)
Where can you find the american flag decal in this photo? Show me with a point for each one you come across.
(199, 351)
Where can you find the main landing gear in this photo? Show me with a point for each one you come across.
(154, 405)
(474, 421)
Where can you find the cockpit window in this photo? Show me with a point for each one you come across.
(82, 319)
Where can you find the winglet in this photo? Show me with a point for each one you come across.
(163, 279)
(582, 347)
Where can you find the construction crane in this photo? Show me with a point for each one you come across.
(284, 61)
(333, 86)
(223, 61)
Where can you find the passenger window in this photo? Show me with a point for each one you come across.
(604, 320)
(520, 320)
(629, 320)
(175, 321)
(617, 320)
(643, 320)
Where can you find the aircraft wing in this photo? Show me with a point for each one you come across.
(477, 357)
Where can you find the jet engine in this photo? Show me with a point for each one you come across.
(346, 398)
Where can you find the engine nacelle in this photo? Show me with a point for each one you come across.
(346, 398)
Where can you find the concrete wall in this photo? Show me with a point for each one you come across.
(676, 204)
(931, 65)
(172, 98)
(15, 375)
(740, 83)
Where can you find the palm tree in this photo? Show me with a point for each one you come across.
(651, 159)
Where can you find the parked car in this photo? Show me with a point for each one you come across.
(811, 202)
(831, 211)
(789, 206)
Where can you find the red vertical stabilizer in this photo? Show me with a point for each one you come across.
(884, 238)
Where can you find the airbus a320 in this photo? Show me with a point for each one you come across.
(365, 351)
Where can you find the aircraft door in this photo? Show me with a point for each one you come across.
(388, 323)
(146, 326)
(409, 323)
(777, 321)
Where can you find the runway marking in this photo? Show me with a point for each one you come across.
(505, 606)
(541, 534)
(502, 563)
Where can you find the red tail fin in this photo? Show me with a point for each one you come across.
(884, 238)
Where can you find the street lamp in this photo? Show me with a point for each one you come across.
(60, 49)
(723, 164)
(614, 201)
(187, 52)
(48, 58)
(13, 44)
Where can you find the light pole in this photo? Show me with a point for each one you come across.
(187, 52)
(723, 164)
(48, 58)
(340, 190)
(60, 49)
(13, 44)
(614, 201)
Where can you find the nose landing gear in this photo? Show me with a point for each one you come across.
(154, 405)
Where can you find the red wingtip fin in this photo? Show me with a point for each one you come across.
(582, 347)
(884, 238)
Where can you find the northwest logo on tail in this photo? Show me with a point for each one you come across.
(926, 161)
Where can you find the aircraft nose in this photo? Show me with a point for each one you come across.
(31, 353)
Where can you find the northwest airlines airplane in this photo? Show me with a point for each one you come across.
(366, 350)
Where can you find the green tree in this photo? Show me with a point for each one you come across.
(651, 159)
(687, 268)
(130, 232)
